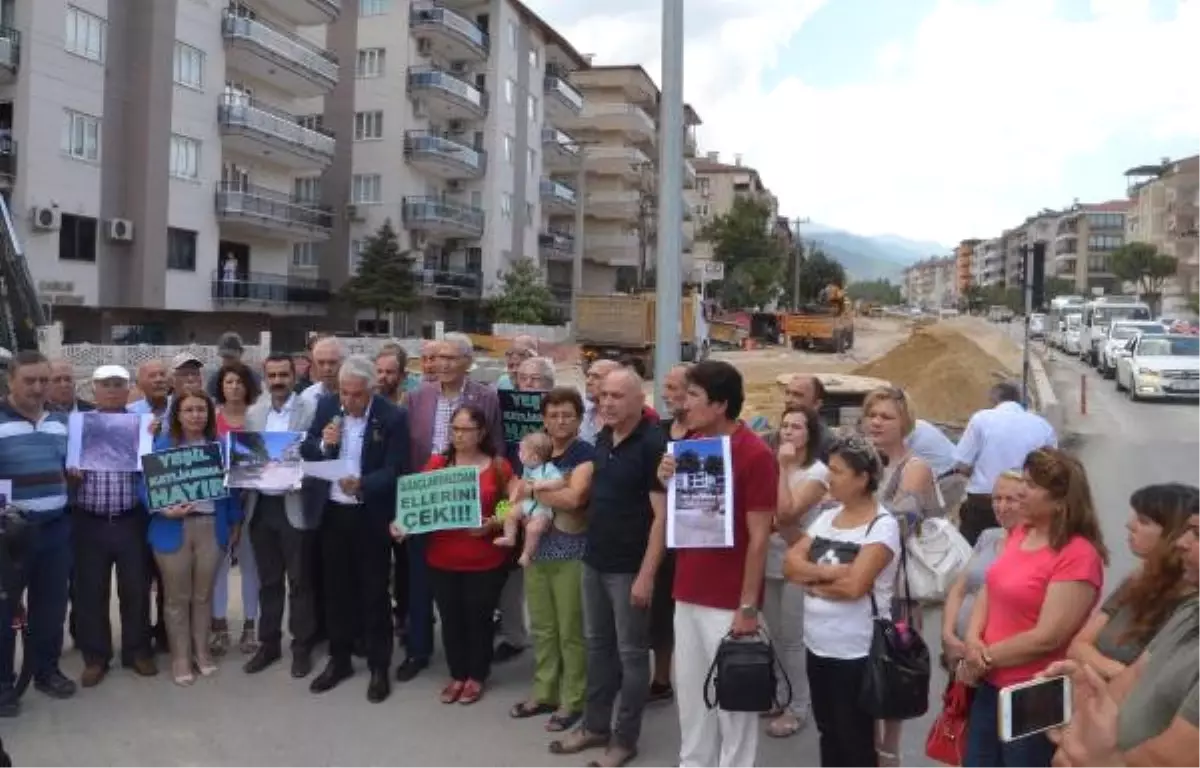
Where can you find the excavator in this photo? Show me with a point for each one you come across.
(20, 311)
(827, 324)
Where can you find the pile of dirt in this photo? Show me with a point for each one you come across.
(944, 374)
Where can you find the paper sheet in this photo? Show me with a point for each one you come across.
(332, 471)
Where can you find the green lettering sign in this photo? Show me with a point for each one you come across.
(443, 500)
(184, 475)
(520, 414)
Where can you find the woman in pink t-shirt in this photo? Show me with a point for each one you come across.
(1037, 595)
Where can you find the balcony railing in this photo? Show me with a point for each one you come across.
(559, 243)
(448, 283)
(288, 46)
(10, 48)
(236, 110)
(558, 192)
(560, 140)
(436, 79)
(8, 159)
(428, 143)
(259, 287)
(435, 15)
(556, 85)
(269, 205)
(418, 210)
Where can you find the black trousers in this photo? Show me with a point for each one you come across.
(156, 626)
(847, 732)
(400, 582)
(284, 556)
(102, 543)
(466, 603)
(976, 516)
(356, 558)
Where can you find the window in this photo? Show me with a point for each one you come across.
(533, 58)
(81, 136)
(308, 190)
(77, 238)
(189, 66)
(304, 255)
(366, 188)
(185, 157)
(512, 34)
(1105, 242)
(510, 90)
(372, 7)
(508, 147)
(356, 250)
(85, 34)
(533, 105)
(506, 201)
(181, 249)
(311, 122)
(370, 63)
(368, 125)
(533, 162)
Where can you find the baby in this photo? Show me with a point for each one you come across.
(534, 452)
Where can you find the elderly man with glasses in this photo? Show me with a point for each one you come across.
(522, 348)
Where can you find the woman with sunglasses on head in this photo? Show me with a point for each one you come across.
(188, 541)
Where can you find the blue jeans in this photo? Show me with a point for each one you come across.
(47, 578)
(984, 747)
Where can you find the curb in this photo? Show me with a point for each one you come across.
(1047, 400)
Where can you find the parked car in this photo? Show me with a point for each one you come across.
(1119, 334)
(1160, 367)
(1070, 343)
(1037, 326)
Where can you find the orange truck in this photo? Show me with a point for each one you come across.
(827, 325)
(611, 326)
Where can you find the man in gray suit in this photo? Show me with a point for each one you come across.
(283, 528)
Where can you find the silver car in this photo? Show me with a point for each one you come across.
(1160, 367)
(1119, 334)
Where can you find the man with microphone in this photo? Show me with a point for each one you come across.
(370, 437)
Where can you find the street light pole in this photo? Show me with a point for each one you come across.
(668, 285)
(577, 255)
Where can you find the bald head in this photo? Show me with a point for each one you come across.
(152, 380)
(804, 390)
(595, 375)
(621, 400)
(327, 355)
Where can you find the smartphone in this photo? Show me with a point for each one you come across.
(1033, 707)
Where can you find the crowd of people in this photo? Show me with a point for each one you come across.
(615, 619)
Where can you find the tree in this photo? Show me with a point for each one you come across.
(753, 256)
(816, 273)
(1142, 265)
(879, 291)
(974, 299)
(1059, 286)
(385, 281)
(525, 299)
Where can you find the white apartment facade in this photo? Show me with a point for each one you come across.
(154, 185)
(451, 100)
(1164, 201)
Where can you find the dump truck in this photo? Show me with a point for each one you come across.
(611, 326)
(826, 325)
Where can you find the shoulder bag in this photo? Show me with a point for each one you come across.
(896, 683)
(742, 677)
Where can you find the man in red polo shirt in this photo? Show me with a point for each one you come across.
(720, 589)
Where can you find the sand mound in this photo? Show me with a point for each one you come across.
(945, 374)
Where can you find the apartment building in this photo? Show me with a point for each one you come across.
(964, 265)
(931, 283)
(154, 152)
(1085, 237)
(1164, 199)
(617, 134)
(988, 264)
(718, 184)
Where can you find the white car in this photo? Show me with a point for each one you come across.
(1160, 367)
(1070, 343)
(1119, 334)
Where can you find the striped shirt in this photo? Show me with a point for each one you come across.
(34, 456)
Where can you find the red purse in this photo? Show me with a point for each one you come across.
(947, 739)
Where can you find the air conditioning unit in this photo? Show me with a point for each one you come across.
(457, 126)
(354, 213)
(47, 219)
(425, 46)
(120, 230)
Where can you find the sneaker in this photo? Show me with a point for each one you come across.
(56, 685)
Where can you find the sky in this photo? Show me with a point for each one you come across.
(935, 120)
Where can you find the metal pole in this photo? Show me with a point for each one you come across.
(577, 256)
(669, 288)
(1027, 252)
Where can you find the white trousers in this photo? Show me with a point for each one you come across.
(710, 737)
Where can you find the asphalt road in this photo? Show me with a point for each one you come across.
(272, 720)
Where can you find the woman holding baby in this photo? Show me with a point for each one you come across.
(554, 567)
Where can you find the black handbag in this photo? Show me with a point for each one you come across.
(743, 676)
(896, 682)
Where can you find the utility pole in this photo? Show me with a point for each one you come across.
(1027, 259)
(577, 255)
(668, 287)
(797, 258)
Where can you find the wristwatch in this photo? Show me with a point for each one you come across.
(748, 611)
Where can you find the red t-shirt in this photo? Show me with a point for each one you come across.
(459, 550)
(1016, 588)
(650, 414)
(713, 577)
(223, 427)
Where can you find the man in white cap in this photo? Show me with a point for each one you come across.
(109, 530)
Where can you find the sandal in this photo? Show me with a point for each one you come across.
(206, 667)
(784, 726)
(452, 691)
(607, 762)
(183, 674)
(472, 692)
(563, 721)
(219, 642)
(527, 709)
(579, 741)
(248, 644)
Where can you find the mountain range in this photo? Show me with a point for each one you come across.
(869, 257)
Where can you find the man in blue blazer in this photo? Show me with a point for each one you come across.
(371, 437)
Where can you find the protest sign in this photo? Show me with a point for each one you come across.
(520, 413)
(184, 475)
(443, 500)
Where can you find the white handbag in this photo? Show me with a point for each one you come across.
(937, 554)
